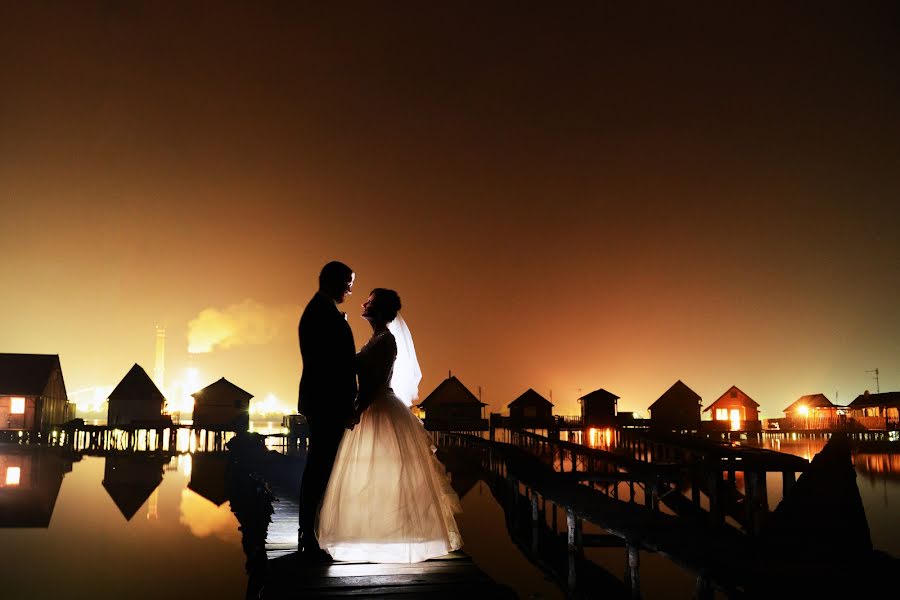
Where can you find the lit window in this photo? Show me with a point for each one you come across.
(721, 414)
(17, 406)
(13, 474)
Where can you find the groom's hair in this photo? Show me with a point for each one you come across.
(334, 274)
(387, 303)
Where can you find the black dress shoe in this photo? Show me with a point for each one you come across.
(315, 556)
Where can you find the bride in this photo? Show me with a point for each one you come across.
(388, 499)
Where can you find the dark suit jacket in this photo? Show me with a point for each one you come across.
(328, 382)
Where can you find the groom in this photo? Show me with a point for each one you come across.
(327, 391)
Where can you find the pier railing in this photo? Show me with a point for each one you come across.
(720, 555)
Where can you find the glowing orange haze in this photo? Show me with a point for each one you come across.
(568, 201)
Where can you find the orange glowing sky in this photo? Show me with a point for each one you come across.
(565, 198)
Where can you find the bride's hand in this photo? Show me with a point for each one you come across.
(353, 421)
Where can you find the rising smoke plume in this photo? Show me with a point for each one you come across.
(248, 322)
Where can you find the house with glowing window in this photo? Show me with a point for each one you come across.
(734, 411)
(136, 400)
(813, 411)
(599, 408)
(678, 409)
(879, 411)
(452, 407)
(222, 405)
(32, 393)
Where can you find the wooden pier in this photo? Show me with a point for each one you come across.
(452, 576)
(722, 557)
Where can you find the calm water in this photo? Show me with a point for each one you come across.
(149, 528)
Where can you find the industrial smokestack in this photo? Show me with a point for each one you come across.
(159, 367)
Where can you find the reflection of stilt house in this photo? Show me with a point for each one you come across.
(452, 407)
(678, 409)
(30, 478)
(32, 392)
(734, 411)
(135, 400)
(876, 411)
(599, 408)
(222, 405)
(208, 477)
(813, 411)
(131, 479)
(530, 410)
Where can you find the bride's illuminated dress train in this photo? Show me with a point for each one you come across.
(389, 499)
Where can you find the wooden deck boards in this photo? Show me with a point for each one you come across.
(450, 576)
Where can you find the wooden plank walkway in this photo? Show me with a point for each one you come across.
(450, 576)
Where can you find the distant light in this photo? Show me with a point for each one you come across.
(13, 475)
(803, 410)
(17, 406)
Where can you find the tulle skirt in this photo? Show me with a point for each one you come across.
(389, 499)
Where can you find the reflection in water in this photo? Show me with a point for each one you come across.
(204, 519)
(30, 479)
(208, 477)
(203, 506)
(130, 480)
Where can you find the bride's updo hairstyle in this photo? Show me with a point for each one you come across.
(387, 304)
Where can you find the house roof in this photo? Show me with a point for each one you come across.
(26, 374)
(732, 396)
(137, 385)
(529, 398)
(600, 394)
(811, 400)
(882, 399)
(679, 392)
(221, 392)
(450, 391)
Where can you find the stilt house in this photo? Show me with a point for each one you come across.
(32, 393)
(135, 400)
(734, 411)
(599, 408)
(222, 405)
(452, 407)
(532, 407)
(678, 409)
(813, 411)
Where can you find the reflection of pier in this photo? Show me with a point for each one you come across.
(531, 489)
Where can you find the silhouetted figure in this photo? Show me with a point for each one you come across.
(327, 391)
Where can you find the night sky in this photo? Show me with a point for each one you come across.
(565, 197)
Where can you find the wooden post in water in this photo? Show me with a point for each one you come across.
(571, 547)
(714, 478)
(788, 479)
(703, 590)
(632, 569)
(750, 500)
(535, 513)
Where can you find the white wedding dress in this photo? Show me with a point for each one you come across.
(389, 499)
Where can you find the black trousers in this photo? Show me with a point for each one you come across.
(324, 439)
